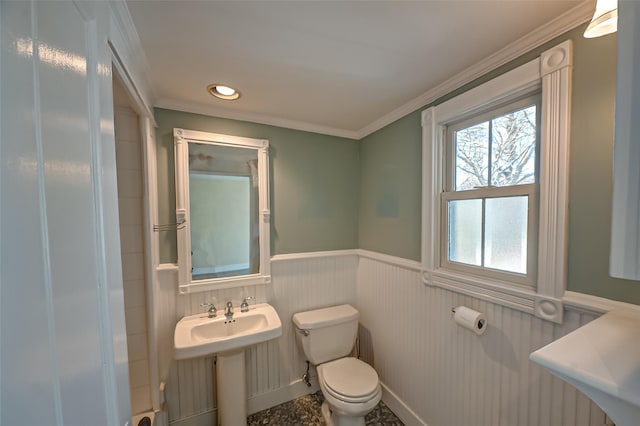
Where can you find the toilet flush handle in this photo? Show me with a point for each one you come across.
(302, 331)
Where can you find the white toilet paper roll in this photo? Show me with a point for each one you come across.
(468, 318)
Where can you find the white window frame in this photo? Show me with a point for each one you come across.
(550, 74)
(483, 193)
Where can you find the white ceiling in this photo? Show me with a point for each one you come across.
(330, 66)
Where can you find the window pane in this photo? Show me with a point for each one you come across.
(505, 245)
(472, 156)
(513, 148)
(465, 231)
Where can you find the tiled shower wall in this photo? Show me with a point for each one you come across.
(130, 202)
(441, 374)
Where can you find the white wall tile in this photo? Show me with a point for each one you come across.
(126, 125)
(129, 183)
(137, 347)
(128, 155)
(131, 238)
(130, 211)
(139, 373)
(136, 320)
(140, 400)
(132, 266)
(129, 173)
(134, 295)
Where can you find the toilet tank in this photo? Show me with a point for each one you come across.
(326, 334)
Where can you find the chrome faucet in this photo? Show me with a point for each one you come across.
(212, 311)
(229, 311)
(244, 307)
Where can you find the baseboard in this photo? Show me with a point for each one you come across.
(399, 408)
(271, 399)
(208, 418)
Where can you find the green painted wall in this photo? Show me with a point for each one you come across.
(329, 193)
(314, 183)
(390, 189)
(390, 173)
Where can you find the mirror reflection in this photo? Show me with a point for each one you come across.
(223, 202)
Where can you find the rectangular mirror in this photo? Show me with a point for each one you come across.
(222, 208)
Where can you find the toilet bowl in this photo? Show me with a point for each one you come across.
(351, 390)
(350, 387)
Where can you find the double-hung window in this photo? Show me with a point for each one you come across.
(489, 203)
(495, 187)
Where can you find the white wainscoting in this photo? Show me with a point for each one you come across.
(443, 375)
(274, 369)
(433, 372)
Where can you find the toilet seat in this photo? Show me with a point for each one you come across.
(349, 380)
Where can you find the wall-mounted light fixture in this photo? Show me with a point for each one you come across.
(605, 19)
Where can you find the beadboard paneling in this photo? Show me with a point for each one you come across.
(447, 375)
(444, 374)
(297, 284)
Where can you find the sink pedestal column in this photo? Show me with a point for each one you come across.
(231, 388)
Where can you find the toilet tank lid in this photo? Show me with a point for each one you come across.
(325, 317)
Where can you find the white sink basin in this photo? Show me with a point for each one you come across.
(602, 360)
(199, 335)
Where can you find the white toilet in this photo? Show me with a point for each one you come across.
(350, 386)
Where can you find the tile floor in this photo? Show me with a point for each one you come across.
(305, 411)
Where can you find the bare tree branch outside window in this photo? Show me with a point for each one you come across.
(510, 140)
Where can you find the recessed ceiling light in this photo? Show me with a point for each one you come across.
(223, 91)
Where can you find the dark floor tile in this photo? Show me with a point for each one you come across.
(305, 411)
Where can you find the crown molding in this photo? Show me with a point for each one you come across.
(178, 105)
(552, 29)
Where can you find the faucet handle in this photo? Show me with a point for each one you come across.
(212, 311)
(245, 304)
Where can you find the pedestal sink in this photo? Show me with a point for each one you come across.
(198, 335)
(602, 360)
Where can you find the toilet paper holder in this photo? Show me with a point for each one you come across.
(470, 319)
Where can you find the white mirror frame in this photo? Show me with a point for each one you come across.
(181, 139)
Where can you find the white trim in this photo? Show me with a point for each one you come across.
(400, 409)
(218, 138)
(594, 304)
(151, 252)
(520, 298)
(314, 255)
(552, 71)
(506, 294)
(409, 264)
(129, 58)
(167, 267)
(182, 138)
(412, 265)
(178, 105)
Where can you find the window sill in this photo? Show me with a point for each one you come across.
(506, 294)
